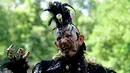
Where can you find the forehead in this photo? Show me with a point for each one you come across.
(68, 29)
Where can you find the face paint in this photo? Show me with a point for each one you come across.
(67, 40)
(61, 31)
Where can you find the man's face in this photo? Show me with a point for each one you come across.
(68, 40)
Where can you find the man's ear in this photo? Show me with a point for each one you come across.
(81, 39)
(55, 44)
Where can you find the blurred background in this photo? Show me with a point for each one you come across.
(105, 24)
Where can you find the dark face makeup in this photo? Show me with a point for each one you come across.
(67, 40)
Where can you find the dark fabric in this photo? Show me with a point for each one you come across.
(42, 66)
(96, 68)
(73, 67)
(75, 64)
(17, 66)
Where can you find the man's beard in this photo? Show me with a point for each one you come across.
(65, 48)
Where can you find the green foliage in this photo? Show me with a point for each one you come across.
(110, 39)
(23, 27)
(105, 24)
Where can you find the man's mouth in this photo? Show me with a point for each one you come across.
(66, 48)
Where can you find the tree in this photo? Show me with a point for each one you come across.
(110, 39)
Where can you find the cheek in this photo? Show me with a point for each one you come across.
(75, 42)
(58, 44)
(74, 39)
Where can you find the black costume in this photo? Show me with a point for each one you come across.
(75, 64)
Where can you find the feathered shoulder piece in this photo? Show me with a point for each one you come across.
(60, 13)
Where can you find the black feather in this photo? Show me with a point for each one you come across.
(65, 4)
(59, 8)
(51, 19)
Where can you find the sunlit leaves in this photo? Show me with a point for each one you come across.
(110, 40)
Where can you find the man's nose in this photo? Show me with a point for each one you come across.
(63, 40)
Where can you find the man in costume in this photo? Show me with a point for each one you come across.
(70, 44)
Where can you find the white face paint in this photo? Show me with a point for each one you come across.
(67, 40)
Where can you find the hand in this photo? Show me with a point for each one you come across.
(17, 63)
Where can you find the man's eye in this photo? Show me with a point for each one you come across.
(68, 36)
(58, 38)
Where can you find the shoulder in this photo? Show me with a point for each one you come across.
(93, 67)
(96, 68)
(43, 65)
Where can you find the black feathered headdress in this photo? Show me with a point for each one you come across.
(60, 13)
